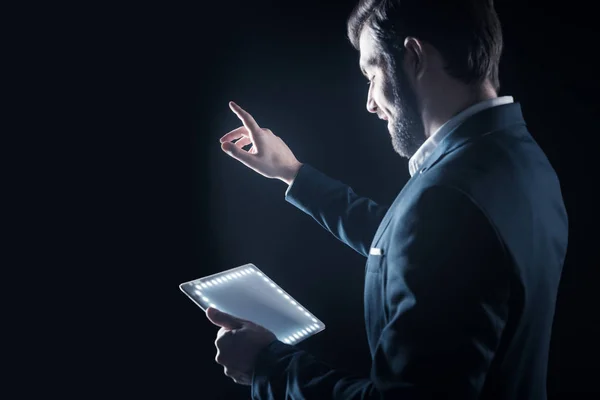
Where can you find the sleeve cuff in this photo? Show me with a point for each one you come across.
(294, 180)
(267, 359)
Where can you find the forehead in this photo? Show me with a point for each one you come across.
(367, 48)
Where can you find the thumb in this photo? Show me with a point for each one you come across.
(223, 319)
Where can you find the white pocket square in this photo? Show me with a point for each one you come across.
(376, 251)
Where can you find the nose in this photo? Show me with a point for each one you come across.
(371, 106)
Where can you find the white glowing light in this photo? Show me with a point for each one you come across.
(199, 293)
(304, 331)
(208, 283)
(272, 285)
(316, 326)
(286, 341)
(300, 333)
(212, 305)
(307, 314)
(280, 291)
(205, 298)
(300, 308)
(286, 296)
(314, 320)
(259, 273)
(293, 302)
(296, 336)
(265, 279)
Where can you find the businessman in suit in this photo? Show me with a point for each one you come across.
(463, 268)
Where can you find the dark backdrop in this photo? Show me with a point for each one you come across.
(165, 205)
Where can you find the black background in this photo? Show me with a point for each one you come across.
(150, 200)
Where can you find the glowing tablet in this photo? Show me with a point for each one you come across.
(247, 292)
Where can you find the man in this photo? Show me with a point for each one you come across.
(463, 268)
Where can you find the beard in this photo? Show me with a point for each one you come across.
(406, 129)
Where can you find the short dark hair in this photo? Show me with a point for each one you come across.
(467, 33)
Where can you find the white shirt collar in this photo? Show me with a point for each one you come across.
(421, 155)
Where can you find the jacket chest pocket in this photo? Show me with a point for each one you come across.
(374, 297)
(375, 260)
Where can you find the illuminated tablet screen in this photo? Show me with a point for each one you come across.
(246, 292)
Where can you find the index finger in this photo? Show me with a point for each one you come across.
(246, 118)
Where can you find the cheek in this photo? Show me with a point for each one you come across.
(387, 93)
(383, 90)
(385, 99)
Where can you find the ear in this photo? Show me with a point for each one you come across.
(416, 58)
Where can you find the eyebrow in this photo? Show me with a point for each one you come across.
(371, 61)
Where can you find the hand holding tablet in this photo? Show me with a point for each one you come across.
(247, 293)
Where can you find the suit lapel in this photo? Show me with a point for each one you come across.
(388, 216)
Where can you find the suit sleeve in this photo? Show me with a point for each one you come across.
(350, 218)
(446, 293)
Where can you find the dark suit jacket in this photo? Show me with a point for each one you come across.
(460, 302)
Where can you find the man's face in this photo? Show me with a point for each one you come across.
(392, 98)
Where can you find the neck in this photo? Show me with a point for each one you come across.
(451, 100)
